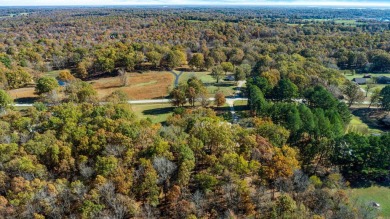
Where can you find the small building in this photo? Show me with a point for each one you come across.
(61, 83)
(383, 80)
(230, 78)
(360, 81)
(367, 76)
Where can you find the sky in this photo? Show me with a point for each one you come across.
(351, 3)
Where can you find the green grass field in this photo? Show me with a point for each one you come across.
(358, 126)
(381, 86)
(377, 194)
(316, 20)
(346, 22)
(226, 87)
(349, 22)
(53, 73)
(240, 103)
(156, 112)
(205, 77)
(349, 76)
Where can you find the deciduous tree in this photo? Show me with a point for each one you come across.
(45, 85)
(217, 73)
(220, 99)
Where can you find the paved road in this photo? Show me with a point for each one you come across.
(230, 101)
(141, 101)
(177, 76)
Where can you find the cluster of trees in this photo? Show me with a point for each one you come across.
(310, 125)
(191, 92)
(314, 121)
(364, 61)
(90, 161)
(76, 158)
(201, 38)
(363, 158)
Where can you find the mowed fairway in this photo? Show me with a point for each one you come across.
(156, 112)
(377, 194)
(358, 126)
(226, 87)
(149, 85)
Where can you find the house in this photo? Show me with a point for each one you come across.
(230, 78)
(360, 80)
(383, 80)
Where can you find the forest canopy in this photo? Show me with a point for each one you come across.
(289, 154)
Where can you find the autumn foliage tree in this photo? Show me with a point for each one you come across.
(220, 99)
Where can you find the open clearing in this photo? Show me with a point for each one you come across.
(25, 94)
(54, 73)
(226, 87)
(377, 194)
(149, 85)
(350, 76)
(156, 112)
(381, 86)
(358, 126)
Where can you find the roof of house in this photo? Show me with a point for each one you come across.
(384, 77)
(360, 80)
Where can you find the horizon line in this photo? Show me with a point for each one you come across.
(223, 4)
(203, 5)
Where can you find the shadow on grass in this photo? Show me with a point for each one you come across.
(371, 117)
(26, 100)
(241, 108)
(161, 97)
(361, 182)
(236, 108)
(158, 111)
(222, 109)
(220, 84)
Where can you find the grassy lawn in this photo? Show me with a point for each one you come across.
(156, 112)
(205, 77)
(21, 108)
(53, 73)
(377, 194)
(349, 76)
(316, 20)
(358, 126)
(295, 25)
(226, 87)
(240, 103)
(381, 86)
